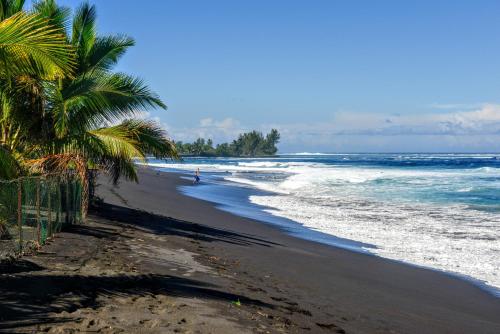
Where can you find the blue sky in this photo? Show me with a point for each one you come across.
(332, 76)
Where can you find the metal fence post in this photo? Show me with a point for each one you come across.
(38, 222)
(68, 217)
(49, 213)
(59, 207)
(20, 214)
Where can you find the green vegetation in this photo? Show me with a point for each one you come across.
(62, 107)
(248, 144)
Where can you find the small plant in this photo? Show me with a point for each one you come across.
(4, 232)
(237, 303)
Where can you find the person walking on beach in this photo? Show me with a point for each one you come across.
(196, 176)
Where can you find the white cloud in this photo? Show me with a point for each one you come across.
(454, 130)
(142, 114)
(483, 121)
(219, 131)
(468, 130)
(227, 124)
(455, 106)
(206, 122)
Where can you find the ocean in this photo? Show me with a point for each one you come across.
(440, 211)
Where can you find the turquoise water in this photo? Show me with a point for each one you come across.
(435, 210)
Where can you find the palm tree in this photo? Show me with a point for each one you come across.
(89, 114)
(85, 118)
(29, 48)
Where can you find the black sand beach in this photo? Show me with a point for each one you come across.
(152, 260)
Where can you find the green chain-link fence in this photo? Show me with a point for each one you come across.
(32, 209)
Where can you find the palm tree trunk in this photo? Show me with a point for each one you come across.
(85, 196)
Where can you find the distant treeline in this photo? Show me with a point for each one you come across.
(248, 144)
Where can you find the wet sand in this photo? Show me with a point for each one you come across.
(151, 260)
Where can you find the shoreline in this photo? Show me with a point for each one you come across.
(297, 230)
(367, 273)
(152, 260)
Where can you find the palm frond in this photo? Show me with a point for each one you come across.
(106, 52)
(84, 31)
(107, 149)
(128, 93)
(118, 142)
(151, 138)
(28, 44)
(10, 7)
(130, 140)
(93, 101)
(60, 164)
(57, 16)
(117, 168)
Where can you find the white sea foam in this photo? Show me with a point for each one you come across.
(451, 238)
(334, 200)
(263, 164)
(309, 153)
(260, 185)
(384, 206)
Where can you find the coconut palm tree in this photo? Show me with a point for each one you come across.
(84, 118)
(89, 115)
(29, 48)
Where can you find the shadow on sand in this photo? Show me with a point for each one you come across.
(29, 293)
(169, 226)
(29, 299)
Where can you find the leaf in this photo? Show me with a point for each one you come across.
(8, 164)
(57, 16)
(105, 52)
(28, 45)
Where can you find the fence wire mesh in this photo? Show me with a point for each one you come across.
(33, 209)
